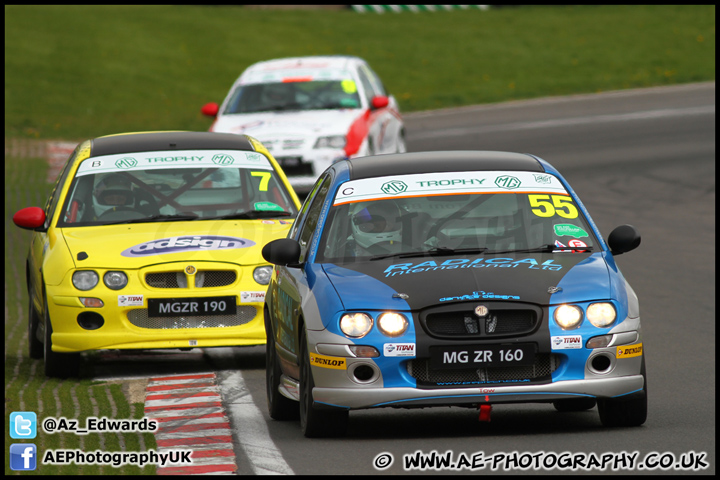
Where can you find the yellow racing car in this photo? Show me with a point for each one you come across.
(152, 240)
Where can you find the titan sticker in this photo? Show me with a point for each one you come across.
(399, 349)
(252, 297)
(130, 300)
(565, 342)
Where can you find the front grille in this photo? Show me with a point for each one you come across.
(545, 364)
(163, 279)
(203, 279)
(460, 321)
(214, 278)
(139, 318)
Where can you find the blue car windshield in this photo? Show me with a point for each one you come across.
(496, 221)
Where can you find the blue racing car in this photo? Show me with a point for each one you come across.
(449, 278)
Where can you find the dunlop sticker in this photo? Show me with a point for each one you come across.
(337, 363)
(627, 351)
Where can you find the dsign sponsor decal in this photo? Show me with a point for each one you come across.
(186, 243)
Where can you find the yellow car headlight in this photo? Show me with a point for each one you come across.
(602, 314)
(356, 325)
(115, 280)
(568, 316)
(85, 279)
(263, 274)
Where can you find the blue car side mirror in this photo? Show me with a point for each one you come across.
(623, 239)
(283, 251)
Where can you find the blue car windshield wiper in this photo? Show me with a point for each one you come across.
(437, 251)
(548, 248)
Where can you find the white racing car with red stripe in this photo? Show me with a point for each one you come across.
(311, 112)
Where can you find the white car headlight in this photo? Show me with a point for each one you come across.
(115, 280)
(601, 314)
(568, 316)
(333, 141)
(392, 324)
(262, 275)
(85, 279)
(356, 325)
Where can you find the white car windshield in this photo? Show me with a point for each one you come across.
(178, 185)
(294, 95)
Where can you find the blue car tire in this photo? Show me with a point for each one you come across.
(279, 406)
(316, 423)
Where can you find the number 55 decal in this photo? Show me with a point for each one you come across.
(561, 205)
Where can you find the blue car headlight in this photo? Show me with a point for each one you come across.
(356, 325)
(601, 314)
(392, 324)
(568, 317)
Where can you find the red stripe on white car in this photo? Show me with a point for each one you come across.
(361, 127)
(357, 133)
(297, 79)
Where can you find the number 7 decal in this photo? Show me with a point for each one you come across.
(264, 179)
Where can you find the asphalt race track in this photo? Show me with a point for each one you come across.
(643, 157)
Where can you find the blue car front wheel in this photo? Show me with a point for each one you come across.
(625, 412)
(315, 422)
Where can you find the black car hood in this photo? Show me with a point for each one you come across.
(427, 281)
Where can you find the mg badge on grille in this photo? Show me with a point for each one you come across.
(190, 270)
(481, 310)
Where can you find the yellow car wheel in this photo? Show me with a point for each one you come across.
(35, 346)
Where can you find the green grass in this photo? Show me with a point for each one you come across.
(76, 72)
(26, 388)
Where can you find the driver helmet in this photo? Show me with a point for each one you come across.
(113, 190)
(376, 226)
